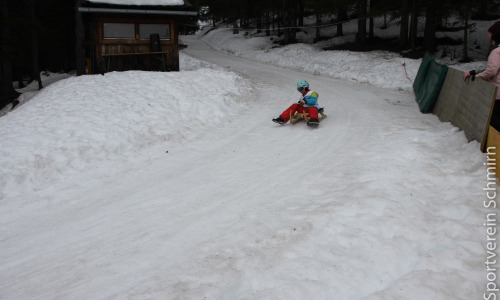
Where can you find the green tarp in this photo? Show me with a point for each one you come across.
(428, 83)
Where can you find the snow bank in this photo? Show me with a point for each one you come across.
(79, 121)
(379, 68)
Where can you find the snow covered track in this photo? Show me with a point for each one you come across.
(378, 202)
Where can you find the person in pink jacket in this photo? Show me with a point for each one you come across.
(492, 72)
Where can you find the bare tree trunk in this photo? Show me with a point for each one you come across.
(300, 13)
(34, 44)
(342, 16)
(79, 44)
(318, 24)
(413, 25)
(403, 29)
(371, 23)
(430, 26)
(7, 92)
(361, 36)
(290, 17)
(268, 33)
(466, 29)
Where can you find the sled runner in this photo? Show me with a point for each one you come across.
(304, 115)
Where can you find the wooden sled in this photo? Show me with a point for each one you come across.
(304, 115)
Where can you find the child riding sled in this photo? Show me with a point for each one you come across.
(308, 102)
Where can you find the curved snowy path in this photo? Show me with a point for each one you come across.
(367, 207)
(359, 208)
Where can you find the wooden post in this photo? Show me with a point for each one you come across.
(80, 36)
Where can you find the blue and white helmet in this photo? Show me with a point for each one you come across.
(302, 85)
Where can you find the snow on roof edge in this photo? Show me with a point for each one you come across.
(140, 2)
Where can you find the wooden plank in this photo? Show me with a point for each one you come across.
(447, 102)
(467, 105)
(493, 146)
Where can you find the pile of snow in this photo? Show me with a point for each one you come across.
(82, 121)
(383, 69)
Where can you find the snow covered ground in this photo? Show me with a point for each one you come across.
(144, 185)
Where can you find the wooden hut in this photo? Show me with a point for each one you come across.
(120, 36)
